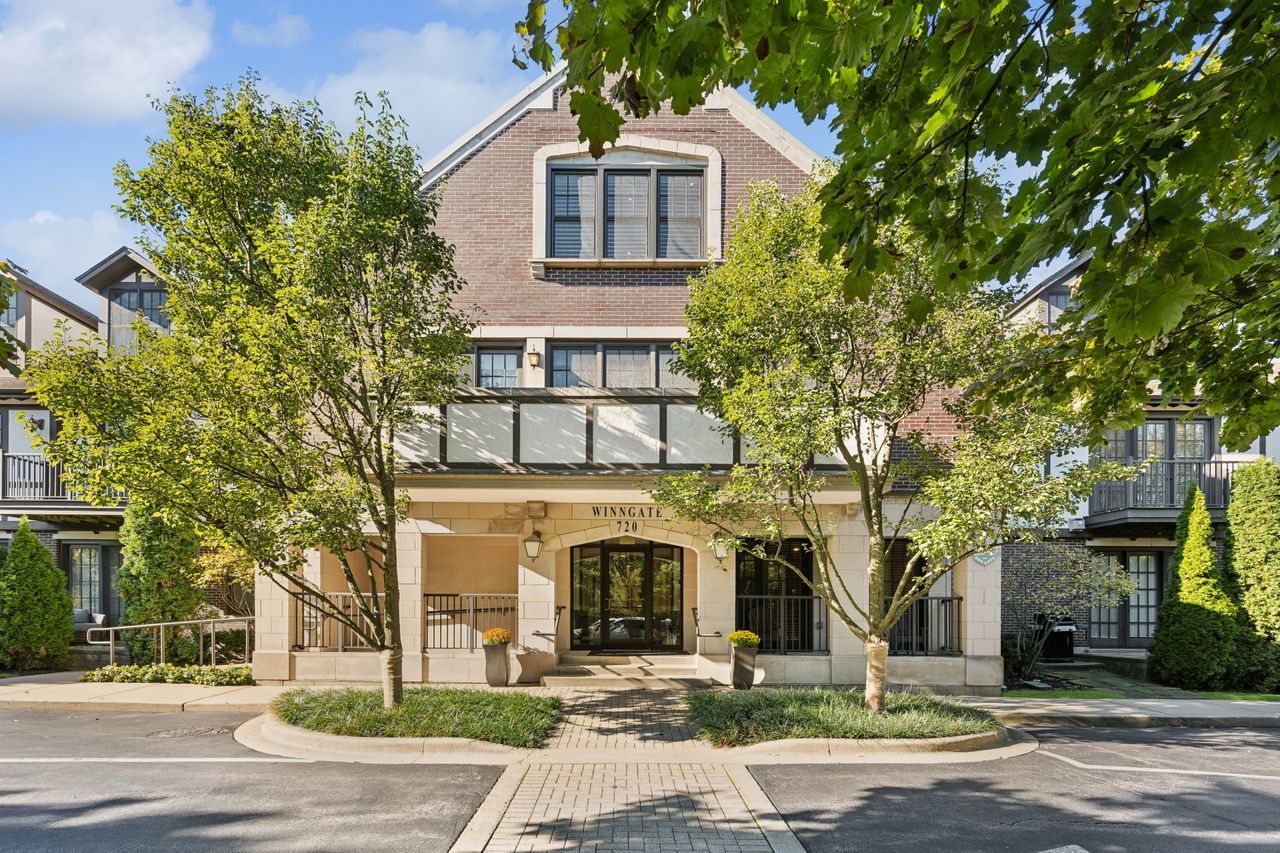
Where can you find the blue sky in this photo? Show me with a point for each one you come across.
(78, 74)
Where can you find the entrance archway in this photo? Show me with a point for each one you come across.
(626, 594)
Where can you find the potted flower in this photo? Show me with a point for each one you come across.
(496, 666)
(743, 646)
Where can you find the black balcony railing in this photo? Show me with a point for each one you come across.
(787, 624)
(316, 628)
(459, 620)
(1164, 485)
(31, 478)
(930, 626)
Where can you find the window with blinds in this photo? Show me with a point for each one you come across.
(573, 367)
(626, 204)
(629, 214)
(667, 376)
(573, 214)
(627, 367)
(679, 215)
(9, 316)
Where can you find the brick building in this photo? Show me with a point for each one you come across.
(528, 506)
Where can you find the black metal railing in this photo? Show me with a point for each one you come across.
(1164, 485)
(459, 620)
(929, 626)
(787, 624)
(317, 628)
(31, 477)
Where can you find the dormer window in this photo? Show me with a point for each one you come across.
(126, 303)
(626, 213)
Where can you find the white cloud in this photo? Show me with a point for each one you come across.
(55, 249)
(94, 61)
(285, 31)
(442, 79)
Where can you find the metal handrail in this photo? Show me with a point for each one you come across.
(160, 627)
(697, 629)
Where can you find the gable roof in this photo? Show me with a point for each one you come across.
(1063, 274)
(540, 95)
(114, 267)
(60, 303)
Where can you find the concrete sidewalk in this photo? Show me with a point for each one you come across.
(1135, 713)
(62, 691)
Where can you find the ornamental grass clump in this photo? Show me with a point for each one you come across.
(737, 718)
(513, 719)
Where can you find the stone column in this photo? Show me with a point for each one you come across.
(534, 649)
(275, 624)
(980, 626)
(852, 552)
(410, 568)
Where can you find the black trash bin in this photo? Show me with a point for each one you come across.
(1059, 646)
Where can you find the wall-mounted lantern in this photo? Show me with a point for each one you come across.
(532, 545)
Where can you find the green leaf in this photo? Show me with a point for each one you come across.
(599, 121)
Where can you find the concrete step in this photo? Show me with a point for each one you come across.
(623, 682)
(631, 670)
(620, 659)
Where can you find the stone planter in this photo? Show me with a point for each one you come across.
(743, 663)
(497, 668)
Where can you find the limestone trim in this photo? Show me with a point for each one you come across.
(712, 208)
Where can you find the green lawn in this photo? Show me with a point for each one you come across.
(1061, 694)
(742, 717)
(1251, 697)
(513, 719)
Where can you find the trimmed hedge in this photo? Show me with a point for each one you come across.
(1253, 563)
(158, 574)
(35, 607)
(168, 673)
(1198, 629)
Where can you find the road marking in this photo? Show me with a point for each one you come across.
(154, 760)
(1171, 770)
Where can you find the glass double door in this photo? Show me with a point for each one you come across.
(627, 597)
(1131, 623)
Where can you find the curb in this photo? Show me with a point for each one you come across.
(1130, 721)
(267, 734)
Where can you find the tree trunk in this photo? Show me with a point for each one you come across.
(877, 657)
(392, 676)
(393, 654)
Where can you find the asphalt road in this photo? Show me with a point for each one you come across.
(180, 782)
(1096, 790)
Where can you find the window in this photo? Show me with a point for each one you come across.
(627, 367)
(647, 213)
(615, 366)
(667, 377)
(126, 304)
(9, 316)
(573, 367)
(573, 214)
(679, 215)
(1055, 305)
(497, 368)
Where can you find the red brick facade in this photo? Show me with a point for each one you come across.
(487, 213)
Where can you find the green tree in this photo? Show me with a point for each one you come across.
(1198, 625)
(35, 607)
(1146, 133)
(799, 371)
(159, 581)
(312, 332)
(1253, 563)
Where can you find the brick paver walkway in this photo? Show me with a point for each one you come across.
(669, 803)
(616, 807)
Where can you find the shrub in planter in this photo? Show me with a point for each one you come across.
(497, 672)
(35, 607)
(743, 646)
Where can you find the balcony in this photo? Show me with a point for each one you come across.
(32, 485)
(1157, 495)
